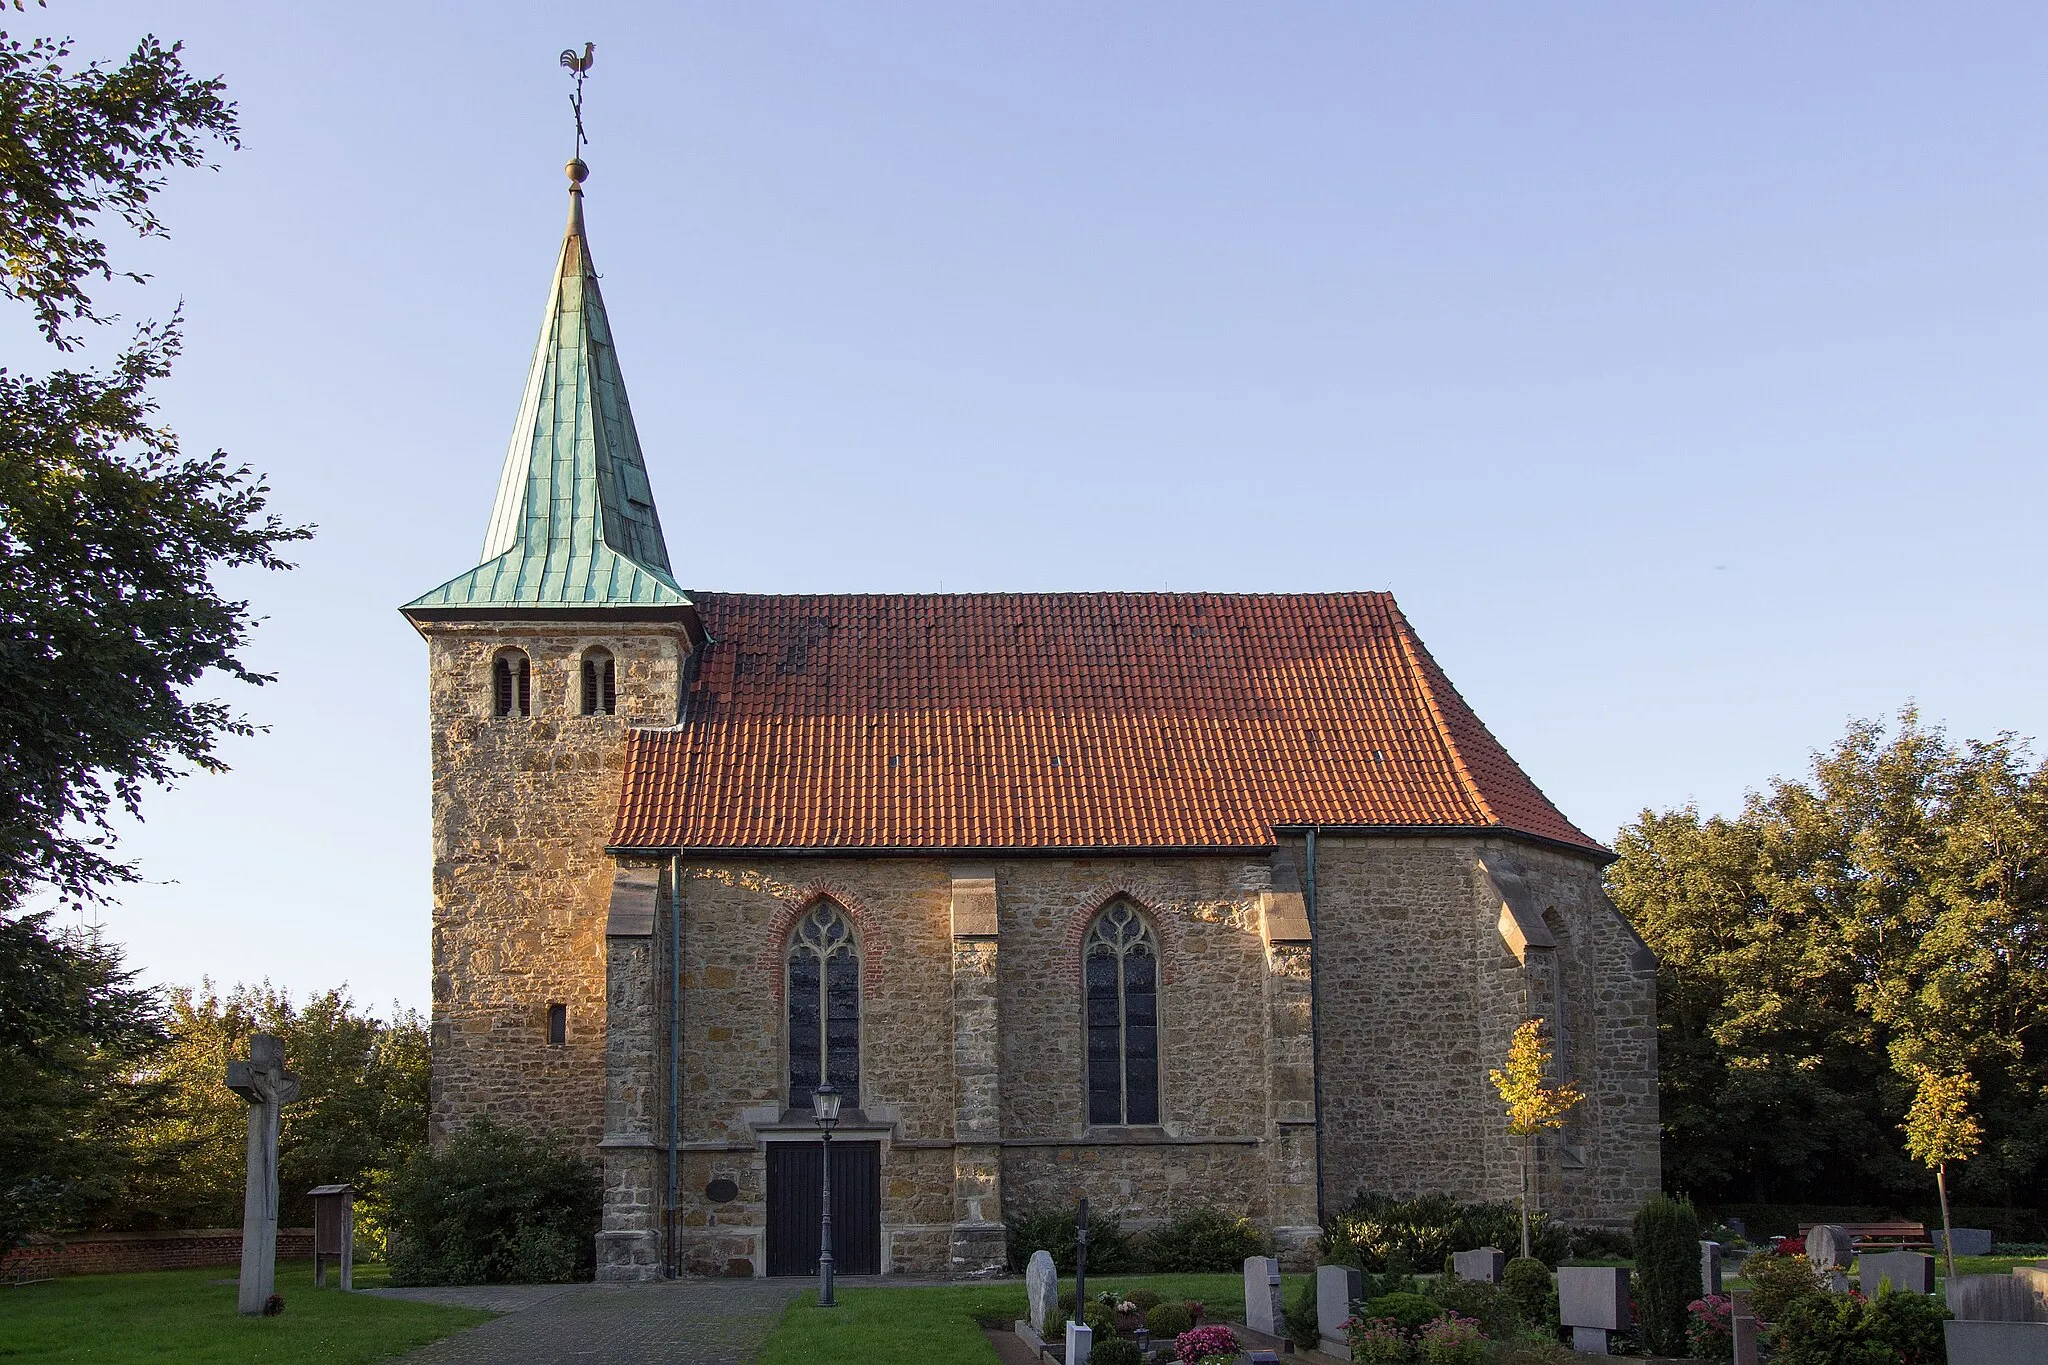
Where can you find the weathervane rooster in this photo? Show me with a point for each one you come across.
(579, 67)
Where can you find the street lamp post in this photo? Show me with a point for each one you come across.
(825, 1109)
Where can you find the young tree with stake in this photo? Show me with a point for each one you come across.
(1939, 1129)
(1532, 1106)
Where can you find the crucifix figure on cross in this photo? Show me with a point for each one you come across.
(268, 1087)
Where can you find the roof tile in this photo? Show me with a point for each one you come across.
(1065, 720)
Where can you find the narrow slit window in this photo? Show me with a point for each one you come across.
(600, 684)
(512, 685)
(558, 1025)
(1120, 971)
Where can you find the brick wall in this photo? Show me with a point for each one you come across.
(99, 1253)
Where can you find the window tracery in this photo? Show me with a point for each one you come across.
(823, 1004)
(1120, 965)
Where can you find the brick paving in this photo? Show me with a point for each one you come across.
(704, 1322)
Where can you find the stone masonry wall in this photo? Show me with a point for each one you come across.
(521, 810)
(1419, 997)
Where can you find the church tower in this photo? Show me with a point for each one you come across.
(569, 631)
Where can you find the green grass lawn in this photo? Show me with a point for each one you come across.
(177, 1315)
(919, 1326)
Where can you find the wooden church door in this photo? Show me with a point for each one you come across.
(794, 1170)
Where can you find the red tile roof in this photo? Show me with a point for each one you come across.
(1065, 720)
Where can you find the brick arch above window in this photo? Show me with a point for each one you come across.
(874, 947)
(1166, 930)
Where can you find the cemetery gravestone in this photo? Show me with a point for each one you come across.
(1041, 1288)
(1742, 1328)
(1969, 1241)
(1904, 1270)
(1710, 1267)
(1262, 1309)
(1828, 1246)
(1337, 1288)
(1484, 1264)
(267, 1087)
(1592, 1301)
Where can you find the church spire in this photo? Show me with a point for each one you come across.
(574, 524)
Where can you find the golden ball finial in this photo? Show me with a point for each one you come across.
(579, 171)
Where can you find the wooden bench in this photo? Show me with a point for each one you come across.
(1895, 1236)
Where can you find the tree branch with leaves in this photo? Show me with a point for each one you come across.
(1939, 1129)
(1531, 1105)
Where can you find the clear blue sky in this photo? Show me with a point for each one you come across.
(1679, 367)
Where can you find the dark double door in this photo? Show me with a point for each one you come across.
(794, 1172)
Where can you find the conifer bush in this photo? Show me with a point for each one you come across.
(1167, 1321)
(1115, 1351)
(1303, 1327)
(1526, 1281)
(1667, 1273)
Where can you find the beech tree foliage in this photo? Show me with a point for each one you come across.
(1844, 933)
(111, 537)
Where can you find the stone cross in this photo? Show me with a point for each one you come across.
(267, 1086)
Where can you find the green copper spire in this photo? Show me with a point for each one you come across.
(574, 524)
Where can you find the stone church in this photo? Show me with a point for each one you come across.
(1168, 899)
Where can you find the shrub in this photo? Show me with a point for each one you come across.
(1526, 1281)
(1054, 1328)
(1488, 1305)
(1115, 1351)
(1110, 1250)
(1302, 1326)
(1828, 1329)
(1376, 1339)
(1453, 1340)
(1408, 1311)
(1167, 1321)
(1910, 1325)
(1777, 1282)
(1709, 1330)
(1601, 1244)
(1100, 1320)
(1381, 1233)
(1535, 1352)
(1202, 1239)
(494, 1205)
(1144, 1300)
(1667, 1271)
(1200, 1343)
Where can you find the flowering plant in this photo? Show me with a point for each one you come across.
(1199, 1343)
(1453, 1339)
(1376, 1339)
(1789, 1246)
(1195, 1309)
(1710, 1328)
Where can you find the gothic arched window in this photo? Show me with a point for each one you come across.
(600, 684)
(1120, 962)
(824, 1005)
(512, 685)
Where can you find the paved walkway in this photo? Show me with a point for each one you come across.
(705, 1322)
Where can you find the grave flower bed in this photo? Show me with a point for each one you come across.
(1211, 1345)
